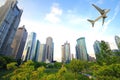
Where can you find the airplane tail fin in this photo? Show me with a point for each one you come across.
(92, 22)
(103, 21)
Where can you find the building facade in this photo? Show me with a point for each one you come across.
(81, 51)
(96, 47)
(37, 50)
(19, 42)
(41, 54)
(117, 40)
(66, 54)
(63, 54)
(49, 49)
(10, 16)
(30, 46)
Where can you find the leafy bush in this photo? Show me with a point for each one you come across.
(12, 66)
(112, 70)
(2, 62)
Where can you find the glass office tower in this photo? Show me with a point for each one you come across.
(37, 50)
(30, 46)
(66, 55)
(10, 16)
(19, 42)
(81, 52)
(41, 54)
(49, 49)
(97, 47)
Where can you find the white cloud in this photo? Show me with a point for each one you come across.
(54, 15)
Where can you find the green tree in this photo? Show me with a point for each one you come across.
(2, 62)
(39, 64)
(105, 54)
(112, 70)
(40, 71)
(57, 65)
(12, 66)
(76, 66)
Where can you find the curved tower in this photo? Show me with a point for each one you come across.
(49, 49)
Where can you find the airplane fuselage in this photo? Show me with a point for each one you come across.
(103, 13)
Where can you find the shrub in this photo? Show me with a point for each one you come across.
(2, 62)
(12, 66)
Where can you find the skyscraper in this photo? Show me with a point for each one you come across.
(49, 49)
(37, 50)
(81, 52)
(66, 55)
(96, 47)
(117, 40)
(30, 46)
(41, 54)
(19, 42)
(63, 54)
(10, 16)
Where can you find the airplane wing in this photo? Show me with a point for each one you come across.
(99, 9)
(102, 16)
(92, 22)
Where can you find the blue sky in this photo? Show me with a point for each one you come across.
(66, 20)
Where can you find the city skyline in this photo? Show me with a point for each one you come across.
(67, 21)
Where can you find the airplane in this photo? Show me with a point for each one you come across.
(103, 13)
(93, 21)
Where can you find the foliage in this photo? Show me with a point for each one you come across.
(9, 59)
(27, 71)
(106, 56)
(40, 71)
(12, 66)
(76, 66)
(50, 65)
(28, 63)
(39, 64)
(57, 65)
(112, 70)
(2, 62)
(62, 71)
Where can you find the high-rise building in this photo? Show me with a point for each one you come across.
(19, 42)
(30, 46)
(49, 49)
(81, 52)
(10, 16)
(117, 40)
(66, 55)
(96, 47)
(77, 52)
(63, 54)
(41, 54)
(37, 50)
